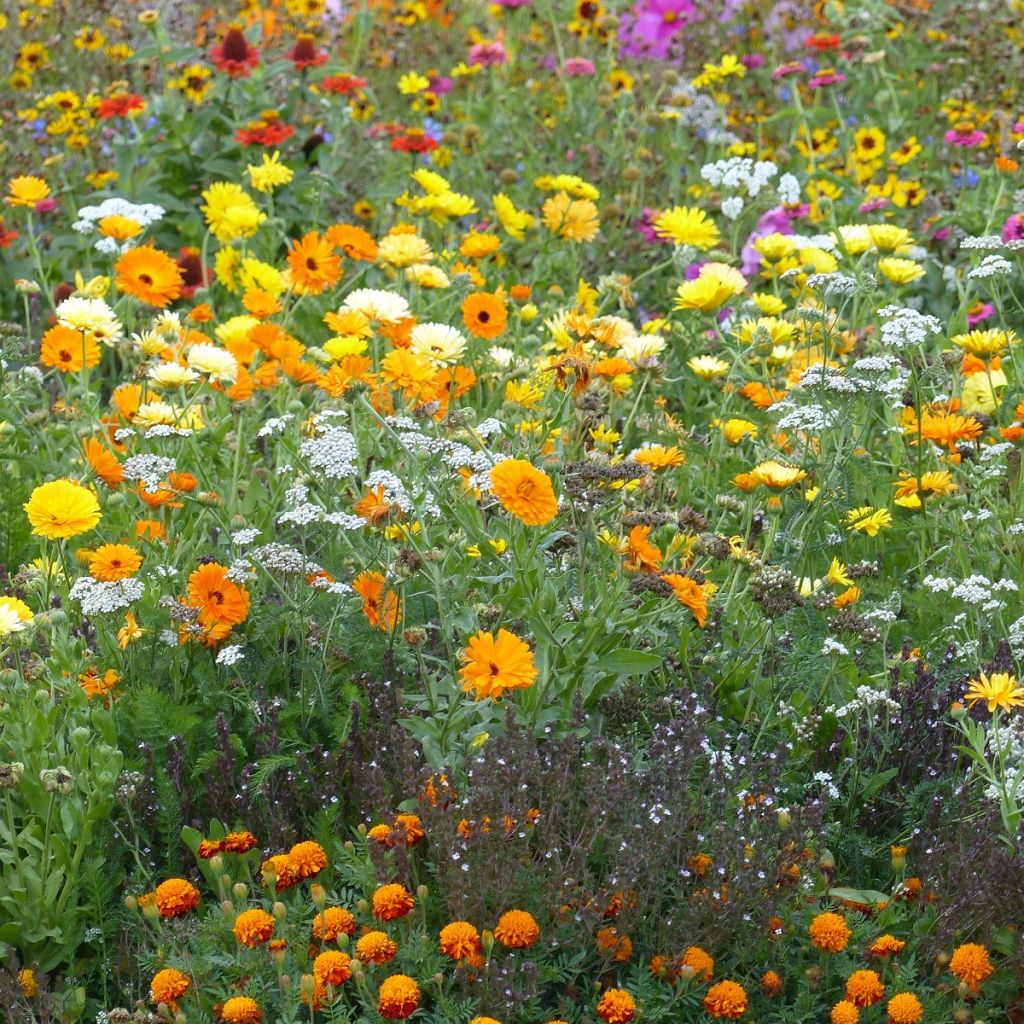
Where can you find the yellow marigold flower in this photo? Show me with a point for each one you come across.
(700, 961)
(308, 858)
(868, 519)
(168, 986)
(62, 508)
(241, 1010)
(687, 225)
(999, 691)
(176, 897)
(332, 968)
(830, 932)
(460, 940)
(28, 983)
(332, 922)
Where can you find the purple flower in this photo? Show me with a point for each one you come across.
(487, 54)
(644, 224)
(775, 221)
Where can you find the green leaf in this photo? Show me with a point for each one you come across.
(626, 662)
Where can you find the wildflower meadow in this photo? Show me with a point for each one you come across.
(512, 512)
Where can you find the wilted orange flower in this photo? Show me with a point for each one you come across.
(616, 1006)
(517, 929)
(612, 943)
(332, 922)
(460, 940)
(391, 902)
(176, 897)
(524, 491)
(253, 927)
(771, 984)
(376, 948)
(314, 264)
(726, 1000)
(380, 605)
(95, 685)
(492, 665)
(148, 274)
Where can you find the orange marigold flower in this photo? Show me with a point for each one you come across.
(283, 870)
(844, 1012)
(168, 986)
(391, 902)
(332, 968)
(332, 922)
(771, 984)
(376, 948)
(700, 961)
(112, 562)
(611, 943)
(970, 963)
(524, 491)
(460, 940)
(616, 1006)
(309, 858)
(726, 999)
(484, 314)
(253, 927)
(176, 897)
(517, 929)
(492, 665)
(68, 350)
(314, 264)
(239, 842)
(886, 945)
(830, 932)
(148, 274)
(864, 988)
(241, 1010)
(398, 997)
(904, 1008)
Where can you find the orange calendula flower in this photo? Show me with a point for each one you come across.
(524, 491)
(176, 897)
(112, 562)
(103, 462)
(314, 264)
(517, 929)
(641, 554)
(690, 593)
(493, 665)
(95, 685)
(380, 605)
(726, 1000)
(68, 350)
(484, 314)
(219, 600)
(149, 275)
(391, 902)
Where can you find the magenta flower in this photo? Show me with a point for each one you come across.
(487, 54)
(979, 312)
(967, 139)
(576, 66)
(652, 27)
(1013, 229)
(827, 76)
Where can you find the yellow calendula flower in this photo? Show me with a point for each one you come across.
(900, 271)
(868, 519)
(687, 225)
(713, 288)
(708, 367)
(999, 691)
(270, 173)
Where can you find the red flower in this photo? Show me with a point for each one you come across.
(193, 274)
(342, 85)
(6, 237)
(414, 140)
(269, 130)
(304, 53)
(121, 104)
(234, 55)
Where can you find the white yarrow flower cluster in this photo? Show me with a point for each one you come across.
(740, 172)
(97, 597)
